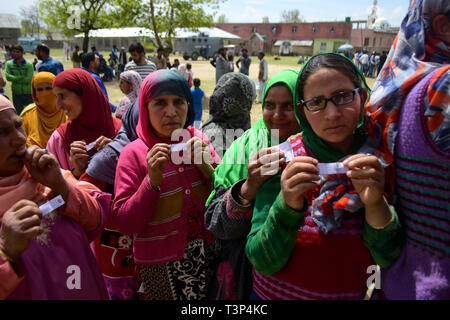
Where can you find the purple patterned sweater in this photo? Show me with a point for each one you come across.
(423, 189)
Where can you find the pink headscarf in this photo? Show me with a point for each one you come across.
(96, 119)
(5, 104)
(20, 185)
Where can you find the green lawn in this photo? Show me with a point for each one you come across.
(202, 69)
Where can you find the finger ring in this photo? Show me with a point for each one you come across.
(45, 151)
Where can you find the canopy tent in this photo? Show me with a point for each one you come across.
(134, 32)
(345, 47)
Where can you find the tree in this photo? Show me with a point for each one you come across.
(77, 16)
(222, 19)
(291, 16)
(164, 16)
(26, 27)
(265, 20)
(31, 22)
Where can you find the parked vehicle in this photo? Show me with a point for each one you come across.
(197, 46)
(28, 44)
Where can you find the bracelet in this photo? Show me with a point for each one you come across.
(4, 255)
(383, 227)
(73, 170)
(157, 189)
(242, 200)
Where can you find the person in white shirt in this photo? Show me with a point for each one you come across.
(262, 76)
(364, 63)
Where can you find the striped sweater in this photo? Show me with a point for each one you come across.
(423, 190)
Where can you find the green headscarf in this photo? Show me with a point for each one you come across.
(320, 148)
(235, 160)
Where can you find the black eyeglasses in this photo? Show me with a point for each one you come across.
(339, 99)
(42, 89)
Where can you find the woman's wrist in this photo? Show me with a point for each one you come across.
(6, 254)
(206, 169)
(378, 215)
(62, 189)
(154, 187)
(245, 192)
(76, 173)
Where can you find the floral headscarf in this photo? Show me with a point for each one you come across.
(415, 53)
(135, 79)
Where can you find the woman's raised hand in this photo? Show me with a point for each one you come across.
(101, 142)
(297, 179)
(156, 162)
(367, 177)
(20, 224)
(266, 163)
(44, 168)
(79, 157)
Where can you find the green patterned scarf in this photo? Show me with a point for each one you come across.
(235, 160)
(323, 151)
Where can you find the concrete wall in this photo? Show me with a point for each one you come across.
(9, 36)
(372, 40)
(327, 45)
(290, 31)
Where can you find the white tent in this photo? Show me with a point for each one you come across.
(118, 33)
(134, 32)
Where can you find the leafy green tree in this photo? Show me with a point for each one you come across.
(291, 16)
(32, 21)
(164, 16)
(265, 20)
(222, 19)
(77, 16)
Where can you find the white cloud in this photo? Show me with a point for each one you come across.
(248, 14)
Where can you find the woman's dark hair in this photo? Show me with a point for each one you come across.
(332, 61)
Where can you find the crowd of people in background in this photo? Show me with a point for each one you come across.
(370, 64)
(147, 201)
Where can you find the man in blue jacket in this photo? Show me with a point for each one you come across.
(91, 62)
(48, 63)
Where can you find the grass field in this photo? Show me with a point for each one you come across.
(202, 70)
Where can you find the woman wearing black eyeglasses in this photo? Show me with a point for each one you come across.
(315, 233)
(42, 117)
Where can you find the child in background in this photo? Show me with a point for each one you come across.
(198, 95)
(190, 73)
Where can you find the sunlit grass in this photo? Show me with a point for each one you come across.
(202, 70)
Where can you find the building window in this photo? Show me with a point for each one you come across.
(294, 29)
(235, 28)
(331, 29)
(315, 29)
(253, 29)
(323, 46)
(366, 42)
(274, 29)
(374, 41)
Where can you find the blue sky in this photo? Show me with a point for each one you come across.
(311, 10)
